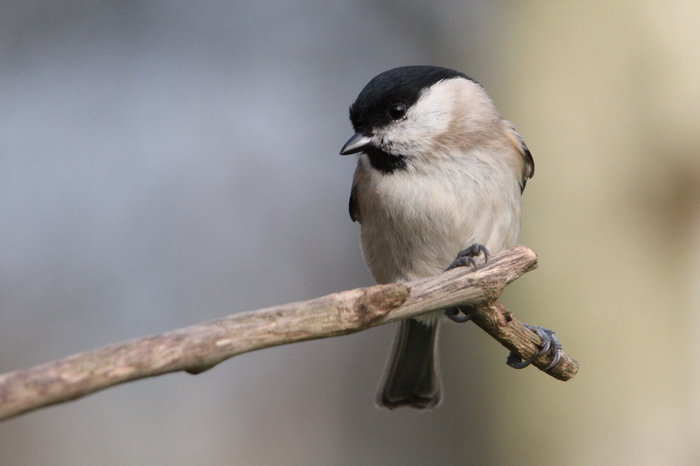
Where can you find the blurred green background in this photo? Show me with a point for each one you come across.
(166, 163)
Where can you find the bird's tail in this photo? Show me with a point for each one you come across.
(412, 376)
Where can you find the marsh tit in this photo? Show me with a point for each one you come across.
(439, 176)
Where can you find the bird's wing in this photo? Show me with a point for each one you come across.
(528, 162)
(355, 194)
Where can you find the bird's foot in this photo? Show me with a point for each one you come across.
(548, 340)
(466, 256)
(452, 313)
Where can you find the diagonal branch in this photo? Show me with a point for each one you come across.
(199, 347)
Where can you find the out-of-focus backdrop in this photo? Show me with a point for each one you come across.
(166, 163)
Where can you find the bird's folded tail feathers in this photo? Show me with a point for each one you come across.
(412, 376)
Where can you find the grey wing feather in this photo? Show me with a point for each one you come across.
(358, 180)
(528, 162)
(354, 204)
(529, 170)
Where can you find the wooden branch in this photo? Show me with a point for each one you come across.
(199, 347)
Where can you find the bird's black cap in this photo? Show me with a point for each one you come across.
(399, 85)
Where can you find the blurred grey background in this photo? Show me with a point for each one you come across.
(166, 163)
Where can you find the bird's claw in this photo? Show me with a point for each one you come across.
(548, 341)
(466, 256)
(452, 313)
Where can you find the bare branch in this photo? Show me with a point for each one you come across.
(199, 347)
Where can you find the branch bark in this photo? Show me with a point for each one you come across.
(200, 347)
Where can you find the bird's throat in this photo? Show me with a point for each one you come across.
(383, 161)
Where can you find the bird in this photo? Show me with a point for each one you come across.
(438, 182)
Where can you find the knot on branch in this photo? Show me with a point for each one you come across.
(374, 303)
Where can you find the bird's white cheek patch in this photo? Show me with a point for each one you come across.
(425, 121)
(432, 113)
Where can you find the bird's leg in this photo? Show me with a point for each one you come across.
(548, 340)
(465, 257)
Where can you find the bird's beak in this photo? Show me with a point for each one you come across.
(355, 144)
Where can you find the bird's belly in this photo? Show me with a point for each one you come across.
(418, 233)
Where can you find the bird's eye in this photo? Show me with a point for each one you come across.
(397, 111)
